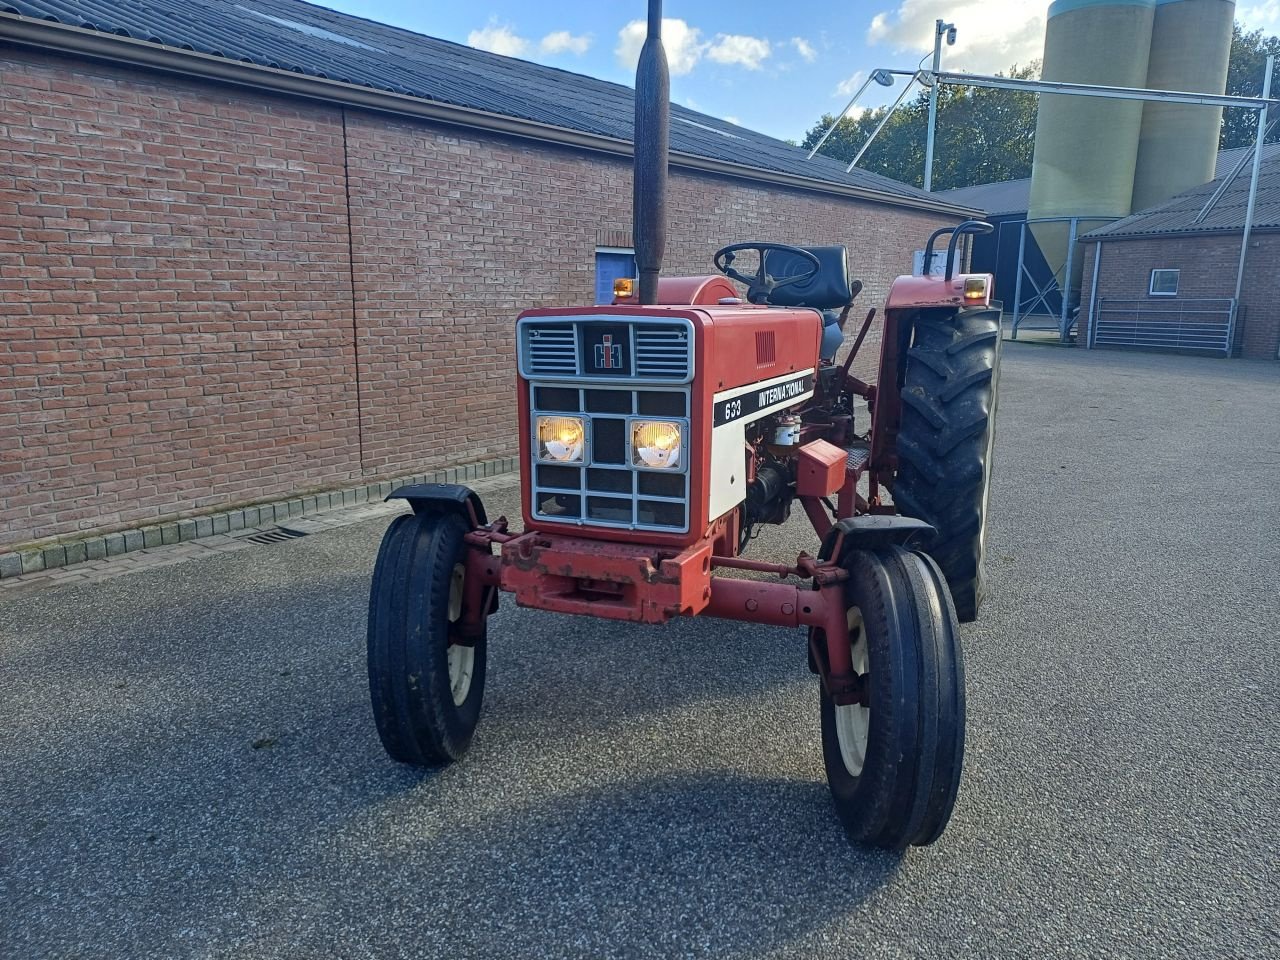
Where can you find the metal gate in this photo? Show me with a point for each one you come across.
(1202, 325)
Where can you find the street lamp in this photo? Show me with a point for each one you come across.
(940, 29)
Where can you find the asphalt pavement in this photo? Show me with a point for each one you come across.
(188, 766)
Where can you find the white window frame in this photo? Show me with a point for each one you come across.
(1177, 279)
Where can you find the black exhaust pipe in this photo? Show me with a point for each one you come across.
(651, 136)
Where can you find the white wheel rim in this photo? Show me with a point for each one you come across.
(854, 720)
(462, 660)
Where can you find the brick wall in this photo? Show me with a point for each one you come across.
(1208, 266)
(455, 234)
(212, 297)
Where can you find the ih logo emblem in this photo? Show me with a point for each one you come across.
(608, 353)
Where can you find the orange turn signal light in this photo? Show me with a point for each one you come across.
(975, 288)
(624, 287)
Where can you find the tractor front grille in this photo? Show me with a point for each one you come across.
(551, 350)
(610, 369)
(606, 490)
(607, 348)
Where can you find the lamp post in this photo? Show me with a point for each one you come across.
(940, 29)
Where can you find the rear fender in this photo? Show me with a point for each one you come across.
(443, 498)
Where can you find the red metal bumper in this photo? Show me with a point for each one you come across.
(601, 579)
(646, 584)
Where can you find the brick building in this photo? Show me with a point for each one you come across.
(252, 251)
(1138, 301)
(1165, 278)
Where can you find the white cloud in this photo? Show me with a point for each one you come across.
(498, 38)
(1259, 16)
(991, 34)
(805, 48)
(682, 42)
(735, 49)
(734, 120)
(849, 86)
(686, 48)
(562, 41)
(878, 29)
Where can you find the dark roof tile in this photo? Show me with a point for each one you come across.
(1179, 215)
(1014, 196)
(297, 36)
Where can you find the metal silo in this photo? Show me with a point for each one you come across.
(1190, 47)
(1086, 147)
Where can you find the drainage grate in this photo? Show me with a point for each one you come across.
(278, 535)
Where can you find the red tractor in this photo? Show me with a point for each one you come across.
(657, 433)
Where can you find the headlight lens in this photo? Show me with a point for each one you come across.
(655, 444)
(560, 439)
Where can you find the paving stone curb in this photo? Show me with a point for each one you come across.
(32, 560)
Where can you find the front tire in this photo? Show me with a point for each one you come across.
(894, 763)
(426, 688)
(945, 442)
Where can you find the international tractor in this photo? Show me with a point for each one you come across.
(658, 433)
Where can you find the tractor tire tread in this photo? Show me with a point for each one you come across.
(949, 398)
(908, 785)
(413, 707)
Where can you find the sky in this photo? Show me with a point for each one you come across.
(775, 67)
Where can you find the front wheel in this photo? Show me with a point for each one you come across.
(425, 685)
(893, 761)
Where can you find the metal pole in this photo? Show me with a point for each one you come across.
(1017, 287)
(847, 107)
(1229, 179)
(1093, 297)
(880, 126)
(1095, 90)
(1064, 318)
(938, 31)
(1260, 141)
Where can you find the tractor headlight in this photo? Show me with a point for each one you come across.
(655, 444)
(560, 439)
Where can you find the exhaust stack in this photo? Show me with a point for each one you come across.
(651, 136)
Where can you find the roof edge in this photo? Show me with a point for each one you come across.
(1174, 234)
(64, 38)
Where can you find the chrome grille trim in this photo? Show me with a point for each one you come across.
(550, 350)
(661, 349)
(633, 499)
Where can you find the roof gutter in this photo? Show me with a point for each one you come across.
(83, 42)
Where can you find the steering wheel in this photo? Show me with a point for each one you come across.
(761, 285)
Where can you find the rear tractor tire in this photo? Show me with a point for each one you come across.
(426, 688)
(894, 761)
(945, 441)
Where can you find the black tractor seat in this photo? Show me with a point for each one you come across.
(828, 291)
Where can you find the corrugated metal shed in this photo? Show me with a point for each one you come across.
(1179, 215)
(310, 40)
(1013, 196)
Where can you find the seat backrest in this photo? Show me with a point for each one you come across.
(828, 289)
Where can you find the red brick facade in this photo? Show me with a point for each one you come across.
(212, 296)
(1207, 266)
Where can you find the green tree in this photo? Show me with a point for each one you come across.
(983, 136)
(1249, 52)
